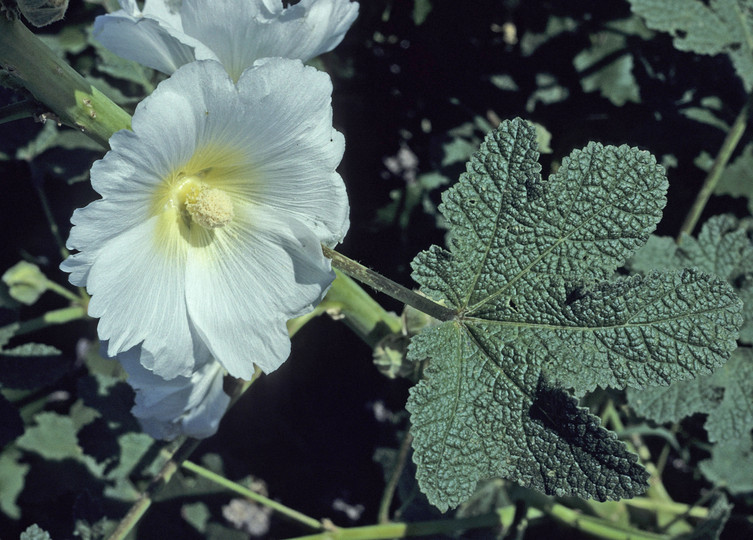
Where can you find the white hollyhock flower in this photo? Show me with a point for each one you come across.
(191, 406)
(170, 33)
(213, 211)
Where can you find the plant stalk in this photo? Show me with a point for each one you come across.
(714, 175)
(261, 499)
(33, 65)
(382, 284)
(503, 517)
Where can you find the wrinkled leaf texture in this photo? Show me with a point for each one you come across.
(540, 320)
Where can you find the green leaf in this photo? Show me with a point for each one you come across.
(53, 437)
(731, 465)
(706, 27)
(723, 248)
(737, 178)
(526, 273)
(30, 350)
(711, 527)
(12, 475)
(725, 395)
(614, 80)
(421, 10)
(555, 27)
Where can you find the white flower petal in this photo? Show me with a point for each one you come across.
(241, 315)
(192, 405)
(235, 32)
(239, 32)
(166, 11)
(137, 289)
(308, 190)
(148, 41)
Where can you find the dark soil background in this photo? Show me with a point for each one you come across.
(309, 430)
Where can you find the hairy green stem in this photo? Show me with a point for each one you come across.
(33, 65)
(347, 301)
(501, 518)
(245, 492)
(712, 178)
(389, 491)
(387, 286)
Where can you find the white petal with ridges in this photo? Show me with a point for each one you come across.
(235, 32)
(239, 32)
(243, 287)
(146, 41)
(295, 121)
(138, 293)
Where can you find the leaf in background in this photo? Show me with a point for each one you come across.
(526, 274)
(726, 396)
(731, 465)
(711, 527)
(549, 91)
(12, 475)
(723, 248)
(421, 10)
(30, 350)
(70, 40)
(555, 26)
(120, 68)
(705, 113)
(61, 152)
(614, 80)
(737, 178)
(706, 27)
(53, 437)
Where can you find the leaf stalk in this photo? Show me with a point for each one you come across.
(385, 285)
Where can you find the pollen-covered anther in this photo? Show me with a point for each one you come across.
(209, 207)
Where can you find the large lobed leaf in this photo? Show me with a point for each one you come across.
(528, 274)
(706, 27)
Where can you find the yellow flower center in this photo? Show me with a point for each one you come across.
(199, 203)
(209, 207)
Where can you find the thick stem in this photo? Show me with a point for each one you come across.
(501, 518)
(54, 83)
(713, 176)
(387, 286)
